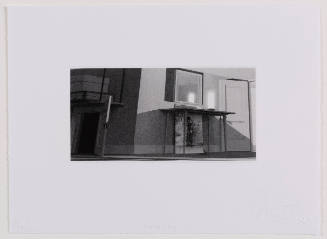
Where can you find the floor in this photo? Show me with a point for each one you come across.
(219, 156)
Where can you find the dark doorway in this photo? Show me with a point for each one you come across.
(88, 133)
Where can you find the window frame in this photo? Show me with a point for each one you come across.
(201, 87)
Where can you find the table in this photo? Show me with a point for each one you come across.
(207, 112)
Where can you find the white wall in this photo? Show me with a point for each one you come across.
(152, 90)
(237, 101)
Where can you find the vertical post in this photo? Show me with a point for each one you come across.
(166, 125)
(103, 77)
(122, 86)
(221, 133)
(202, 90)
(250, 115)
(208, 119)
(185, 131)
(225, 138)
(174, 132)
(106, 125)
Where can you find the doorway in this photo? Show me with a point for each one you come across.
(238, 135)
(89, 128)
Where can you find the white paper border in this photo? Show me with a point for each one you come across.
(4, 134)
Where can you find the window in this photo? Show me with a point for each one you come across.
(188, 87)
(184, 86)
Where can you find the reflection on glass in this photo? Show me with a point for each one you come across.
(211, 98)
(191, 97)
(188, 87)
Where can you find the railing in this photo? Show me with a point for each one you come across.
(83, 89)
(85, 95)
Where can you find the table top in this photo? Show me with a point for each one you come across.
(198, 111)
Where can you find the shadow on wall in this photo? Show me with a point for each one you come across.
(154, 134)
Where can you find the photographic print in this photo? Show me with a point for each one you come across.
(144, 119)
(162, 113)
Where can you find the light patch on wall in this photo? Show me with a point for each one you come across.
(191, 97)
(211, 99)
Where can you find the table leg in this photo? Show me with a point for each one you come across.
(166, 124)
(225, 138)
(185, 132)
(174, 132)
(208, 119)
(221, 133)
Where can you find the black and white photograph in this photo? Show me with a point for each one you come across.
(162, 113)
(166, 120)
